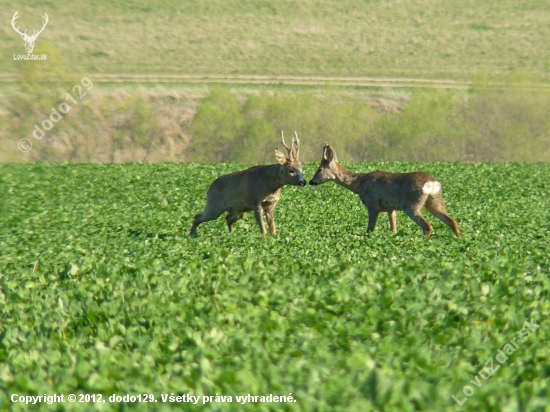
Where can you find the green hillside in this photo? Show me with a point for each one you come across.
(392, 38)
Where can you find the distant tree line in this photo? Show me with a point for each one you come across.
(505, 123)
(487, 123)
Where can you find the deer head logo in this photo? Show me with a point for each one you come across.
(29, 40)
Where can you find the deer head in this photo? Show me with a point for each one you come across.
(292, 167)
(29, 40)
(327, 168)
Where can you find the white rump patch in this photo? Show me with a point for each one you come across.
(431, 188)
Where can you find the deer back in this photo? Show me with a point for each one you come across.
(396, 191)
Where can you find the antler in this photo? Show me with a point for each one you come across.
(288, 149)
(15, 17)
(25, 35)
(34, 34)
(297, 147)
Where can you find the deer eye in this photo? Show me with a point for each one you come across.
(292, 173)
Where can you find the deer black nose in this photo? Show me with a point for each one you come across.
(302, 183)
(312, 183)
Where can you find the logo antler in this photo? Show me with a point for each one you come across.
(29, 40)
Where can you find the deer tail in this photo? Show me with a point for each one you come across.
(431, 188)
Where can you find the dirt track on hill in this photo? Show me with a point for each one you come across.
(382, 82)
(287, 80)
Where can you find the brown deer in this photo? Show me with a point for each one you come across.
(387, 192)
(255, 189)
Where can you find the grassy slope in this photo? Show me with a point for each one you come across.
(384, 38)
(123, 301)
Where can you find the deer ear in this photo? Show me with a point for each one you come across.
(331, 154)
(328, 153)
(280, 156)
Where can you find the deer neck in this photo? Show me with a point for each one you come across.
(347, 179)
(274, 181)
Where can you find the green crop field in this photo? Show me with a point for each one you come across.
(102, 292)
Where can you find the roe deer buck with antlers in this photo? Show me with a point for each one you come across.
(254, 189)
(387, 192)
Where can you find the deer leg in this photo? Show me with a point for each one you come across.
(232, 218)
(205, 216)
(437, 208)
(373, 217)
(270, 216)
(393, 220)
(259, 219)
(417, 217)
